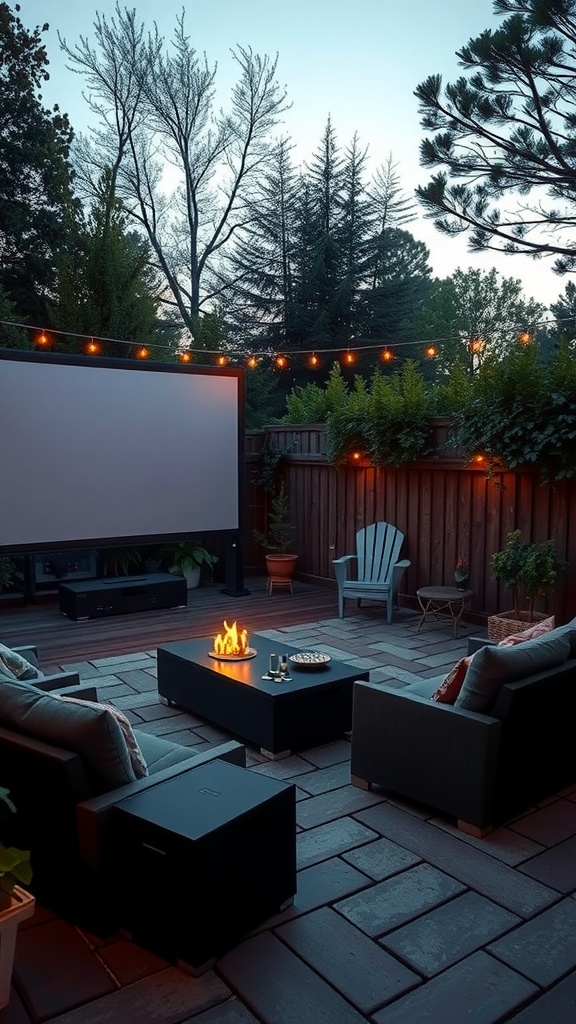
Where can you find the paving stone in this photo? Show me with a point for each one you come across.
(554, 1007)
(129, 962)
(381, 859)
(503, 844)
(544, 948)
(41, 969)
(477, 870)
(555, 867)
(113, 691)
(328, 754)
(450, 933)
(324, 779)
(280, 988)
(283, 769)
(548, 825)
(328, 806)
(141, 680)
(330, 840)
(335, 949)
(119, 659)
(397, 900)
(317, 886)
(231, 1012)
(409, 651)
(168, 997)
(478, 990)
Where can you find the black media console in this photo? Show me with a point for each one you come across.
(93, 599)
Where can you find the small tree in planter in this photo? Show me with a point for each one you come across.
(529, 571)
(276, 540)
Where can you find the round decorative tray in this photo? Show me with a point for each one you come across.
(249, 653)
(309, 660)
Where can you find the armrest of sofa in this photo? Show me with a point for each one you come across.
(57, 681)
(93, 815)
(431, 753)
(476, 642)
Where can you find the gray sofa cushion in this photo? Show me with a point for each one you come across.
(423, 687)
(491, 667)
(160, 753)
(87, 729)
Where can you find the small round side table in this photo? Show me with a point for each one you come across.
(433, 600)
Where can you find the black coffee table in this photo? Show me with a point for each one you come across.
(315, 707)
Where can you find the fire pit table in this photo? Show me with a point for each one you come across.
(313, 706)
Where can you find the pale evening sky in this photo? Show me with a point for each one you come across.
(357, 61)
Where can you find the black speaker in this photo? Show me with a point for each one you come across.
(234, 569)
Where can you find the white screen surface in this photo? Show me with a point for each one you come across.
(92, 452)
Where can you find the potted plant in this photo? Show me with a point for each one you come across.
(276, 541)
(16, 904)
(462, 573)
(7, 572)
(119, 561)
(187, 558)
(529, 571)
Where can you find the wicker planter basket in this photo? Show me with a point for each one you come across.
(507, 623)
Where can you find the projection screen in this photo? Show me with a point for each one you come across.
(94, 452)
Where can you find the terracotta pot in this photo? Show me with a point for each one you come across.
(21, 906)
(280, 571)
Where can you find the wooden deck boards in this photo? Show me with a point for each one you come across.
(59, 639)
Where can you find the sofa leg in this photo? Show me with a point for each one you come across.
(360, 783)
(474, 830)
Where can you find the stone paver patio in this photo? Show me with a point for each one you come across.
(398, 919)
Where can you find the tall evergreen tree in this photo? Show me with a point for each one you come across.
(35, 175)
(106, 285)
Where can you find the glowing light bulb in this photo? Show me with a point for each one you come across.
(525, 338)
(476, 346)
(92, 348)
(281, 362)
(431, 351)
(142, 352)
(386, 356)
(43, 341)
(252, 362)
(349, 358)
(221, 360)
(185, 357)
(313, 361)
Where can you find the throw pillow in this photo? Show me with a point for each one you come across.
(139, 765)
(493, 666)
(85, 728)
(15, 666)
(452, 683)
(534, 631)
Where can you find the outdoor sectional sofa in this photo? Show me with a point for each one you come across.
(481, 767)
(66, 765)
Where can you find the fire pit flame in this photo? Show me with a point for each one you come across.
(232, 643)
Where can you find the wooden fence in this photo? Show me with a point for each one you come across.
(445, 508)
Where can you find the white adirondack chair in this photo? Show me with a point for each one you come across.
(379, 572)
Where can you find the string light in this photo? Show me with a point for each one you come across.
(43, 341)
(314, 358)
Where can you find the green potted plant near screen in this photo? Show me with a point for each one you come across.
(187, 558)
(529, 571)
(276, 540)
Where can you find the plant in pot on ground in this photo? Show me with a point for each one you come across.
(529, 571)
(187, 558)
(276, 540)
